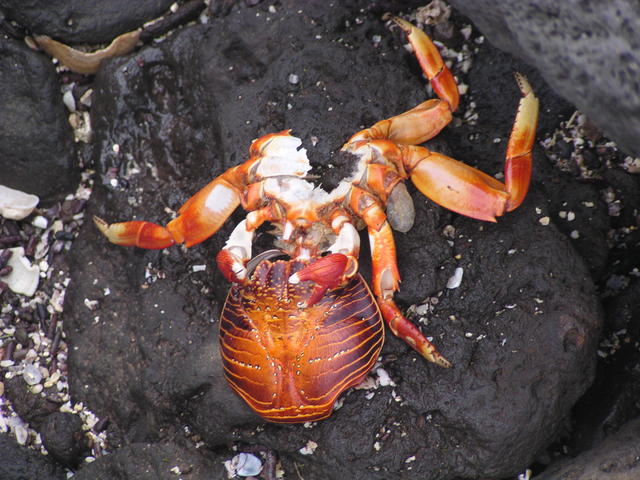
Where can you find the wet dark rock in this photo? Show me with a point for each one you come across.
(21, 463)
(186, 12)
(626, 188)
(33, 409)
(521, 330)
(491, 76)
(612, 400)
(589, 223)
(614, 459)
(77, 21)
(63, 437)
(36, 143)
(145, 461)
(517, 343)
(587, 51)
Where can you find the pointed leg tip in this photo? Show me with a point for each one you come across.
(432, 355)
(443, 362)
(523, 84)
(437, 359)
(294, 279)
(101, 224)
(402, 23)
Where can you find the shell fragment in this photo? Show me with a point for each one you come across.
(24, 277)
(16, 205)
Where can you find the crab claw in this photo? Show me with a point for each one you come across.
(231, 266)
(327, 272)
(136, 233)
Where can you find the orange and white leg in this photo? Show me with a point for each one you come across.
(199, 218)
(518, 166)
(232, 259)
(385, 275)
(205, 212)
(467, 190)
(386, 181)
(427, 119)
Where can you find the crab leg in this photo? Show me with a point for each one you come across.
(431, 62)
(235, 254)
(517, 169)
(467, 190)
(205, 212)
(451, 183)
(386, 276)
(199, 218)
(427, 119)
(455, 185)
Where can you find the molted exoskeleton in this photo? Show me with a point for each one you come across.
(295, 334)
(290, 364)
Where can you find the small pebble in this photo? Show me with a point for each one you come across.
(85, 99)
(69, 101)
(40, 222)
(309, 448)
(21, 434)
(294, 79)
(36, 389)
(456, 279)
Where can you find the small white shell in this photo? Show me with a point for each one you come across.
(69, 101)
(19, 429)
(384, 379)
(456, 279)
(31, 374)
(24, 277)
(246, 464)
(15, 204)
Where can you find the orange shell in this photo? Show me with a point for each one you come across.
(291, 364)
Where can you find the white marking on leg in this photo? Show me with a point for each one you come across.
(287, 231)
(239, 246)
(347, 241)
(220, 198)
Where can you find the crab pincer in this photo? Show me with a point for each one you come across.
(326, 273)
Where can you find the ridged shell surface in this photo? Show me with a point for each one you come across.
(289, 363)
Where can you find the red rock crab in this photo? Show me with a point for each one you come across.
(295, 333)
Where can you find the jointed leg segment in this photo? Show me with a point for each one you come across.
(390, 147)
(385, 275)
(425, 121)
(199, 218)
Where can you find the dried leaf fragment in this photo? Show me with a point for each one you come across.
(83, 62)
